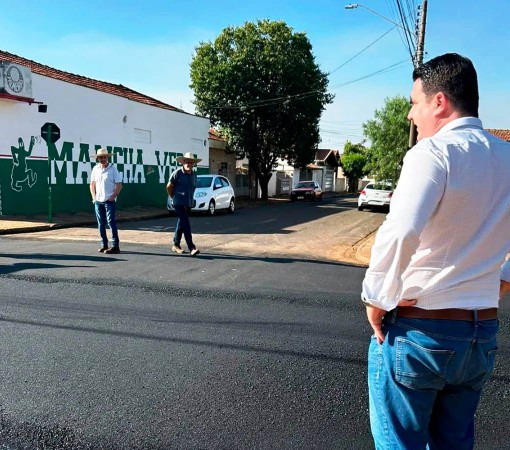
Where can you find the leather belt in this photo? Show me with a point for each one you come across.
(469, 315)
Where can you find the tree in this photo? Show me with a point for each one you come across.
(261, 85)
(354, 163)
(389, 134)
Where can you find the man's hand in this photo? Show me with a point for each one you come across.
(504, 287)
(375, 317)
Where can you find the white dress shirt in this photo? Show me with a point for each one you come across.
(105, 181)
(448, 230)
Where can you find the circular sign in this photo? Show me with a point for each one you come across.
(14, 79)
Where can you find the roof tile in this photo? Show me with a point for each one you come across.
(502, 134)
(102, 86)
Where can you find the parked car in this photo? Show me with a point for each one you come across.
(213, 192)
(374, 195)
(306, 190)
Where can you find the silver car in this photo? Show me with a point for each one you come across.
(213, 192)
(376, 194)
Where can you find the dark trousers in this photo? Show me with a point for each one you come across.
(183, 227)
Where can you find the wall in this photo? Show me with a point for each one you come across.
(144, 139)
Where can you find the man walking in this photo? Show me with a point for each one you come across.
(181, 189)
(105, 185)
(432, 289)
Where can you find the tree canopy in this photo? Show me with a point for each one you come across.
(354, 163)
(259, 82)
(389, 134)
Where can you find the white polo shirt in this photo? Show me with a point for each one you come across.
(448, 230)
(105, 181)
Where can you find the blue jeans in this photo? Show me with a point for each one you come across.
(105, 214)
(425, 381)
(183, 227)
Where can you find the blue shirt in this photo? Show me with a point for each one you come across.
(184, 187)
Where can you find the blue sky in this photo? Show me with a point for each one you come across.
(148, 46)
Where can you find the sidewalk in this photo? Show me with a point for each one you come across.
(39, 222)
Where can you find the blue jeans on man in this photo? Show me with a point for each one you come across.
(183, 227)
(425, 381)
(105, 214)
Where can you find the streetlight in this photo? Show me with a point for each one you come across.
(420, 47)
(359, 5)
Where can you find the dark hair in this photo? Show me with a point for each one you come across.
(453, 75)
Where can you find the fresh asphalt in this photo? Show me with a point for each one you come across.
(150, 350)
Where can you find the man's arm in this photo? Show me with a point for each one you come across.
(93, 190)
(504, 286)
(420, 189)
(170, 189)
(116, 192)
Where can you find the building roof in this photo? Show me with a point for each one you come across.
(329, 156)
(502, 134)
(322, 154)
(215, 135)
(102, 86)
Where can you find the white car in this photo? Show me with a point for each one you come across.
(375, 194)
(213, 192)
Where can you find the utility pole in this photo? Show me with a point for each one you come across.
(418, 60)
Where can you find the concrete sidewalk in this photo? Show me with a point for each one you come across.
(39, 222)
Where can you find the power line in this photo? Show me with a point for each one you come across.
(361, 51)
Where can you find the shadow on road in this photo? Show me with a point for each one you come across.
(227, 346)
(17, 267)
(223, 256)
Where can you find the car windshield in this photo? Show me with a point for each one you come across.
(380, 187)
(204, 182)
(308, 184)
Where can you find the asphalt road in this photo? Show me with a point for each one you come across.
(310, 230)
(149, 350)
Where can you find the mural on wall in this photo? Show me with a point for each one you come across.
(21, 175)
(51, 174)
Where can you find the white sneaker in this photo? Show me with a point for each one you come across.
(194, 252)
(177, 249)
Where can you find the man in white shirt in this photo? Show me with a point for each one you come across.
(432, 289)
(105, 185)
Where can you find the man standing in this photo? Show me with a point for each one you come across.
(432, 289)
(105, 185)
(181, 189)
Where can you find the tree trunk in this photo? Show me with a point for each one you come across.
(353, 185)
(263, 183)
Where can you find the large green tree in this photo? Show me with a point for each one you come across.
(259, 82)
(354, 163)
(389, 134)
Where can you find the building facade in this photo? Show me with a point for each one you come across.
(51, 131)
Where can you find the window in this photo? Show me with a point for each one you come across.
(204, 182)
(224, 181)
(217, 183)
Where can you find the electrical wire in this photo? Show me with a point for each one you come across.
(361, 51)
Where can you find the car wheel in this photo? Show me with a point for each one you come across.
(232, 206)
(320, 198)
(292, 199)
(360, 208)
(212, 208)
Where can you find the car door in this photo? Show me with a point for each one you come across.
(228, 191)
(218, 193)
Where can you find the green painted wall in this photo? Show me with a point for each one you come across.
(25, 181)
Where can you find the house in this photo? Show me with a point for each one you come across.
(53, 121)
(324, 170)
